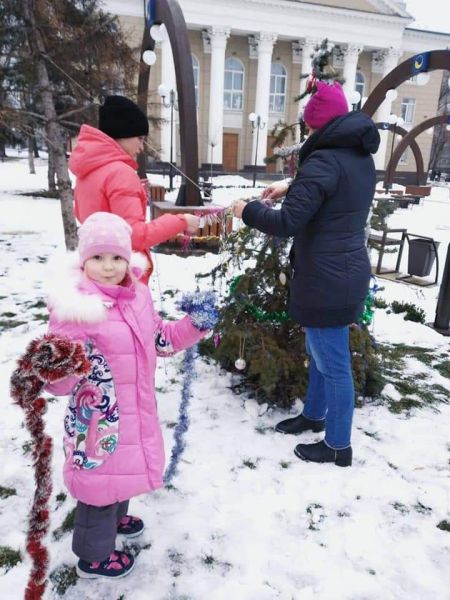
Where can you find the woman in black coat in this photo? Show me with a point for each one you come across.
(325, 210)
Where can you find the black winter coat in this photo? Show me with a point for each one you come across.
(326, 209)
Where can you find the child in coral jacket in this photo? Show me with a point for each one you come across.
(104, 162)
(113, 443)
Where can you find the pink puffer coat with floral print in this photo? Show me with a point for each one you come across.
(113, 441)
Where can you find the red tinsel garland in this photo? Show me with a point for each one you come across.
(47, 359)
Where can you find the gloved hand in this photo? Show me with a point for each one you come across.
(201, 307)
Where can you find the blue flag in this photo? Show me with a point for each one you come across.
(420, 63)
(150, 12)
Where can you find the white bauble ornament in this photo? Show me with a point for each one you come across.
(149, 57)
(282, 277)
(158, 33)
(240, 364)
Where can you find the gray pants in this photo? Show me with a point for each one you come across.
(95, 530)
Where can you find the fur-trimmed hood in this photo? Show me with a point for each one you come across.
(72, 297)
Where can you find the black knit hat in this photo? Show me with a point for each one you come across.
(120, 117)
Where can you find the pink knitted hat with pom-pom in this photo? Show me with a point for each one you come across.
(104, 232)
(327, 103)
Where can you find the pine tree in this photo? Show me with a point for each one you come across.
(254, 325)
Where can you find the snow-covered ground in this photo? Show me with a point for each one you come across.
(245, 519)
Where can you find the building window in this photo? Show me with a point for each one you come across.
(233, 97)
(196, 69)
(408, 108)
(360, 85)
(278, 78)
(412, 80)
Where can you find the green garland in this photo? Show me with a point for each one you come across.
(369, 304)
(260, 315)
(279, 317)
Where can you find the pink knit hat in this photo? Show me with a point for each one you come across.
(104, 232)
(327, 103)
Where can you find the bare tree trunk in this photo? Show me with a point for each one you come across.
(51, 174)
(2, 147)
(53, 127)
(31, 156)
(35, 147)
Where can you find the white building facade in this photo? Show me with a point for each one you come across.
(248, 57)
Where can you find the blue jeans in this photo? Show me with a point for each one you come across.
(331, 393)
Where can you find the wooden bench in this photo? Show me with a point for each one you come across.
(383, 241)
(418, 190)
(391, 192)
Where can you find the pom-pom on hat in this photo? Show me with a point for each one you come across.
(104, 232)
(325, 104)
(120, 117)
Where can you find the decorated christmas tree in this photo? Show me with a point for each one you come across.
(255, 336)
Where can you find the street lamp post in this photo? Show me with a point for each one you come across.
(395, 121)
(257, 124)
(354, 99)
(163, 91)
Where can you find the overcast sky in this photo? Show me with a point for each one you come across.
(430, 14)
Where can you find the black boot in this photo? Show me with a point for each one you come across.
(322, 453)
(299, 425)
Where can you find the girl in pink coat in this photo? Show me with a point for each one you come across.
(104, 162)
(113, 443)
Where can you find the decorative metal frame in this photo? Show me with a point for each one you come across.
(409, 140)
(435, 60)
(414, 147)
(420, 63)
(169, 13)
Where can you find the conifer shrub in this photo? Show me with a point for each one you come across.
(254, 325)
(413, 312)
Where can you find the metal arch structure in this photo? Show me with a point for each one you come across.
(414, 147)
(408, 140)
(433, 60)
(169, 13)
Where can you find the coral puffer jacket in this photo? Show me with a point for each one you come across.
(113, 442)
(107, 181)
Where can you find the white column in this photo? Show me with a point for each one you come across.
(307, 49)
(266, 42)
(169, 80)
(218, 37)
(391, 57)
(351, 54)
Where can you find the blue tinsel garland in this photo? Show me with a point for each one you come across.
(183, 419)
(201, 306)
(204, 314)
